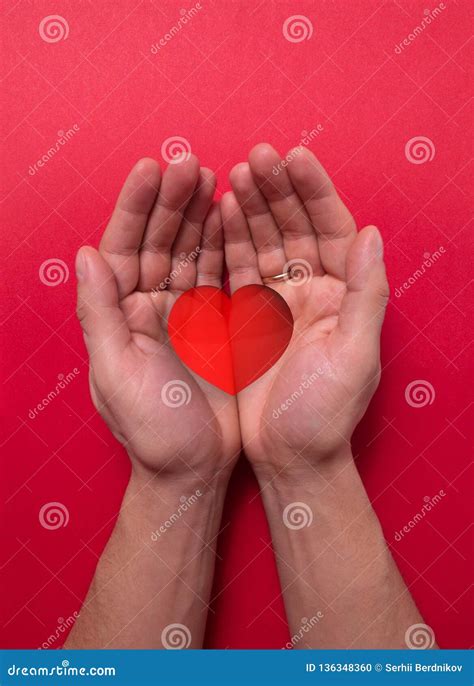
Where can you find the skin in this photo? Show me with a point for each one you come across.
(175, 452)
(337, 309)
(333, 559)
(336, 564)
(155, 222)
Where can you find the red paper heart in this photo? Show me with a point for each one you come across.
(230, 342)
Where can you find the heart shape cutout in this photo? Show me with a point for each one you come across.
(230, 342)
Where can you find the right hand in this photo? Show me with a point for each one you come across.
(305, 408)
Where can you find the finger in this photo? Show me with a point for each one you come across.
(299, 237)
(142, 314)
(240, 253)
(335, 227)
(103, 323)
(186, 246)
(210, 263)
(265, 233)
(176, 190)
(363, 306)
(122, 238)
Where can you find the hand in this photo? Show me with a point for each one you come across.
(306, 407)
(159, 242)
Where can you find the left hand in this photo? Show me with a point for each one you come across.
(159, 242)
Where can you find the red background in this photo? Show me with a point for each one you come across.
(228, 80)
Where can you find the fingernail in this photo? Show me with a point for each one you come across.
(377, 243)
(81, 266)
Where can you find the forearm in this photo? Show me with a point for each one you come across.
(337, 572)
(156, 569)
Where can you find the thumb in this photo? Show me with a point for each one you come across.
(363, 306)
(102, 320)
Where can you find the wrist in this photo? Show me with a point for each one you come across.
(170, 472)
(154, 504)
(328, 503)
(160, 484)
(285, 469)
(328, 491)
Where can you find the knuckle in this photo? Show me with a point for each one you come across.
(382, 294)
(81, 313)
